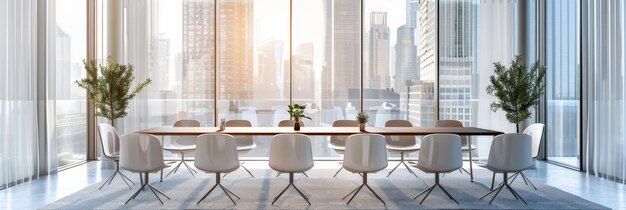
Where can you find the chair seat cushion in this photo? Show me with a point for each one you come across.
(412, 148)
(178, 147)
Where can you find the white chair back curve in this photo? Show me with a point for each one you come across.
(365, 153)
(340, 141)
(510, 152)
(289, 123)
(141, 153)
(185, 140)
(401, 141)
(453, 124)
(216, 153)
(291, 153)
(242, 141)
(109, 139)
(535, 131)
(441, 153)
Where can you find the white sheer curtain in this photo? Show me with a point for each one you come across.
(604, 63)
(18, 91)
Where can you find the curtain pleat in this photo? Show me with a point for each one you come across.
(18, 92)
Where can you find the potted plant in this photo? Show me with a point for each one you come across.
(109, 88)
(296, 112)
(362, 119)
(516, 89)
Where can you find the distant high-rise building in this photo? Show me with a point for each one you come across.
(234, 50)
(342, 59)
(427, 40)
(160, 73)
(406, 65)
(62, 68)
(412, 10)
(421, 102)
(270, 77)
(303, 74)
(378, 51)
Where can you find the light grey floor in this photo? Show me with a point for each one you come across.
(48, 189)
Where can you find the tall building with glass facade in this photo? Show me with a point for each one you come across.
(378, 52)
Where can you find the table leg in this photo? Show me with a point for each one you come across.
(469, 142)
(162, 142)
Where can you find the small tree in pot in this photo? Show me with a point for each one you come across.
(296, 112)
(516, 89)
(109, 88)
(361, 119)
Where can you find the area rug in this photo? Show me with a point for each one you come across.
(324, 191)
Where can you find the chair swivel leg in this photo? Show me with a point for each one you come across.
(218, 183)
(117, 172)
(146, 183)
(504, 184)
(294, 186)
(182, 162)
(356, 191)
(402, 162)
(431, 188)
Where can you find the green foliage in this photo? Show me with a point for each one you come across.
(362, 118)
(516, 89)
(109, 87)
(297, 112)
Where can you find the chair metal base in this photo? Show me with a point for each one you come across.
(431, 188)
(294, 186)
(117, 171)
(358, 189)
(460, 171)
(402, 162)
(244, 168)
(526, 179)
(146, 183)
(226, 190)
(307, 176)
(182, 162)
(504, 184)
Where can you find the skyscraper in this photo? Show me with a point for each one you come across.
(342, 61)
(378, 51)
(303, 72)
(234, 49)
(406, 65)
(428, 40)
(270, 77)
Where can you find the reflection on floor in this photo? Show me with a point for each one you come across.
(50, 188)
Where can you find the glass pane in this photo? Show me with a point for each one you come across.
(473, 35)
(67, 102)
(253, 68)
(326, 63)
(563, 81)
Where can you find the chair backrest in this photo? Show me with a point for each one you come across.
(289, 123)
(216, 153)
(109, 139)
(365, 153)
(280, 112)
(141, 153)
(185, 140)
(291, 153)
(341, 140)
(241, 140)
(511, 152)
(453, 124)
(441, 152)
(535, 131)
(403, 141)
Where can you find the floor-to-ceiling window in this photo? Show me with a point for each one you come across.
(473, 35)
(66, 111)
(563, 81)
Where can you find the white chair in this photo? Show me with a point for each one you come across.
(465, 146)
(289, 123)
(401, 144)
(509, 153)
(365, 153)
(182, 145)
(110, 142)
(142, 154)
(291, 153)
(244, 143)
(280, 112)
(217, 153)
(536, 132)
(441, 153)
(338, 143)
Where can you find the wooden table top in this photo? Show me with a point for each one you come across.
(317, 131)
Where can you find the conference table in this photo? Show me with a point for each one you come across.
(325, 131)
